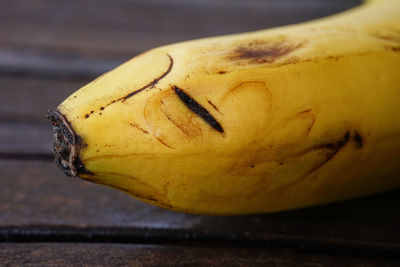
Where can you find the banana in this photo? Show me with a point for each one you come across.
(257, 122)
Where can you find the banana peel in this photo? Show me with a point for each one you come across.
(258, 122)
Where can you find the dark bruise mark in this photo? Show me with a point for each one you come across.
(212, 104)
(101, 108)
(358, 139)
(334, 148)
(393, 48)
(86, 116)
(66, 145)
(222, 72)
(263, 52)
(135, 125)
(391, 36)
(152, 83)
(334, 57)
(198, 109)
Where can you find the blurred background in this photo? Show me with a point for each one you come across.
(49, 49)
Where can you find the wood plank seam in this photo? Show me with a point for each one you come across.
(127, 235)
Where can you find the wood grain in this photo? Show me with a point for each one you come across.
(67, 254)
(19, 139)
(29, 98)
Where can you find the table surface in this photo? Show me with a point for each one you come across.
(48, 49)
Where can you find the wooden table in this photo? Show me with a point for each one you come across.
(48, 49)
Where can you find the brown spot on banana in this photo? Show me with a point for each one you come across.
(135, 125)
(261, 51)
(390, 38)
(358, 139)
(390, 35)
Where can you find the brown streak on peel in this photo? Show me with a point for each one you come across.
(212, 104)
(308, 111)
(334, 146)
(175, 123)
(263, 52)
(305, 111)
(135, 125)
(162, 142)
(149, 85)
(152, 83)
(391, 36)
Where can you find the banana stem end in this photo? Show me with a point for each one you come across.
(66, 145)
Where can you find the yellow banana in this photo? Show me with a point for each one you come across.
(248, 123)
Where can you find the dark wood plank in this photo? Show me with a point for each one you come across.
(89, 37)
(37, 194)
(69, 254)
(29, 98)
(19, 140)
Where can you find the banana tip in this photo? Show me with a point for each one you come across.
(66, 145)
